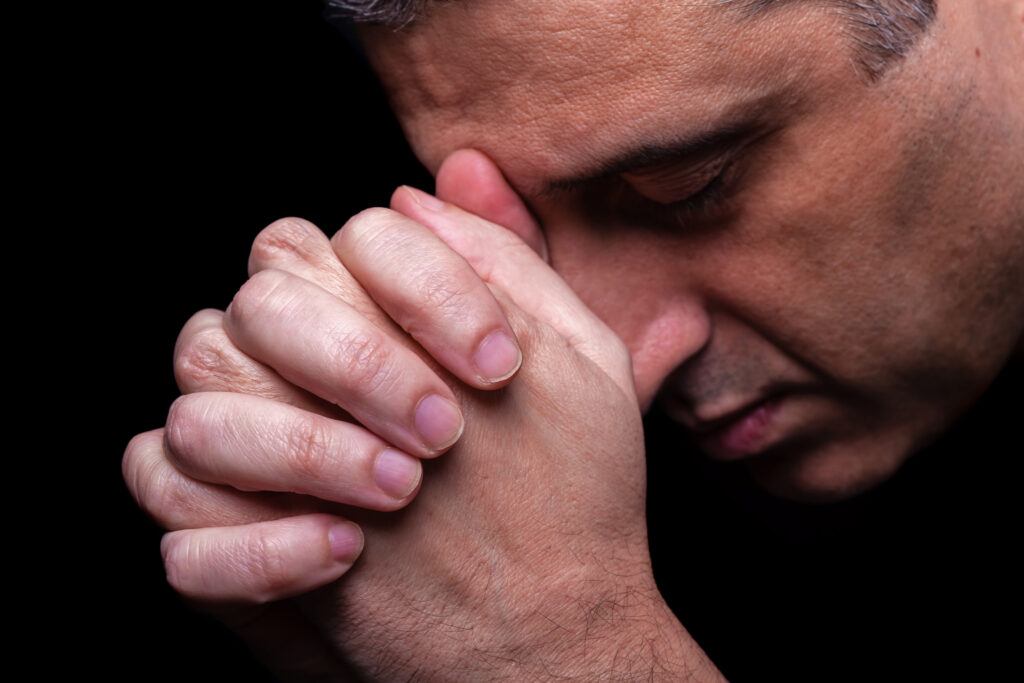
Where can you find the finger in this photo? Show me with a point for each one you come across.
(262, 562)
(205, 359)
(502, 259)
(255, 444)
(471, 181)
(299, 247)
(320, 343)
(176, 501)
(432, 293)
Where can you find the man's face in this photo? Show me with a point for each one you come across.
(851, 251)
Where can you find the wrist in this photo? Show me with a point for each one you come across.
(620, 631)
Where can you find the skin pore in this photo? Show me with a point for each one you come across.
(854, 247)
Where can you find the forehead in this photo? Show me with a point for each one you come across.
(545, 88)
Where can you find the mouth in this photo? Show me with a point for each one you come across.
(738, 433)
(742, 433)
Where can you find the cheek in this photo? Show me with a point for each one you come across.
(864, 277)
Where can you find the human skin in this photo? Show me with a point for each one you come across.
(871, 236)
(538, 520)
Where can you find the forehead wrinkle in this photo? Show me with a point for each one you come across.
(549, 45)
(548, 91)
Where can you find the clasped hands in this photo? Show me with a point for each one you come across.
(316, 427)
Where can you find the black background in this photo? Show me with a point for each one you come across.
(217, 119)
(202, 123)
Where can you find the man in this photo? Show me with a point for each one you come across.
(796, 227)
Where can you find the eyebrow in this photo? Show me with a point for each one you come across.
(721, 137)
(740, 120)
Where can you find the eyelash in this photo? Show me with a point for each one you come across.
(703, 204)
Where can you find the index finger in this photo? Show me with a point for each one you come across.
(432, 293)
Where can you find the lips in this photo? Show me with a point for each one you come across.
(743, 433)
(679, 408)
(725, 418)
(736, 433)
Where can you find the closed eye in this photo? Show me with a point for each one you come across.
(703, 204)
(654, 198)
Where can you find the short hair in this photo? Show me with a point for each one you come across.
(883, 31)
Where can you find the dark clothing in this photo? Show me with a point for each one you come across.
(910, 581)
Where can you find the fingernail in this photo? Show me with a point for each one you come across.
(498, 357)
(396, 473)
(346, 542)
(438, 421)
(427, 201)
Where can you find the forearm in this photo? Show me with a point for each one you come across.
(624, 633)
(618, 632)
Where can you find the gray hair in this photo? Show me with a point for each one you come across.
(883, 30)
(393, 13)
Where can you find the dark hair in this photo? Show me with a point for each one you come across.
(883, 30)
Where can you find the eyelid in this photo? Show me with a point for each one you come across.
(677, 182)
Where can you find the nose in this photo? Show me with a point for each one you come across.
(666, 335)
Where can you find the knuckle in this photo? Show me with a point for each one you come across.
(258, 293)
(365, 360)
(265, 562)
(166, 495)
(365, 228)
(202, 357)
(284, 238)
(308, 448)
(442, 291)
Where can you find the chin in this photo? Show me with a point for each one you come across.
(828, 473)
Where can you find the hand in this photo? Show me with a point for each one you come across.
(525, 555)
(541, 418)
(249, 482)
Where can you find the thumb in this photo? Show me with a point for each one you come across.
(470, 180)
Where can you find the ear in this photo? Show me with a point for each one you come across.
(474, 183)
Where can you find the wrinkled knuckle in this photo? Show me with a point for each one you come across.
(439, 291)
(309, 448)
(257, 294)
(285, 237)
(365, 360)
(266, 563)
(168, 497)
(202, 357)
